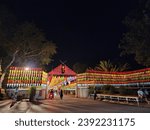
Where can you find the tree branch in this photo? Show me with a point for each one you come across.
(31, 52)
(5, 70)
(34, 55)
(13, 59)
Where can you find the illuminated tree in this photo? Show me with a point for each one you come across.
(22, 44)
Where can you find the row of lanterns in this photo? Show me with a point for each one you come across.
(19, 76)
(113, 78)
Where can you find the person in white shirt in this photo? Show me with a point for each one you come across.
(140, 94)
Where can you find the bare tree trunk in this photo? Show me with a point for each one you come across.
(5, 70)
(2, 79)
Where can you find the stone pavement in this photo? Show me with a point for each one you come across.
(70, 104)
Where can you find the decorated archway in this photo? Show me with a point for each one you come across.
(62, 77)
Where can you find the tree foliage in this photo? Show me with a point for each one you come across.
(107, 66)
(79, 67)
(22, 44)
(136, 40)
(32, 45)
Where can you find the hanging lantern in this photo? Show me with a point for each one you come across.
(63, 69)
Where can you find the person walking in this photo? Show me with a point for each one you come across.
(61, 94)
(95, 95)
(14, 99)
(146, 95)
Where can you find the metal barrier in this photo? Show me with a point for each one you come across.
(118, 98)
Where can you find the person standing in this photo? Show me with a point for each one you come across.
(51, 94)
(140, 94)
(61, 94)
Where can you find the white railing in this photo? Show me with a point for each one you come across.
(118, 98)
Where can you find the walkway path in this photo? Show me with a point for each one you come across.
(70, 105)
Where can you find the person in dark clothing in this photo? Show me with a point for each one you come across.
(61, 94)
(14, 99)
(95, 95)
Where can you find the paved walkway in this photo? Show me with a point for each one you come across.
(69, 104)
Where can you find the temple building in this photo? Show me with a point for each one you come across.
(21, 79)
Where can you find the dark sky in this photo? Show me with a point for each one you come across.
(85, 31)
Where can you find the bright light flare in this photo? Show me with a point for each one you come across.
(26, 68)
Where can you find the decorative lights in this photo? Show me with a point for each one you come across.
(123, 78)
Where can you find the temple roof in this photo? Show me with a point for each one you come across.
(62, 70)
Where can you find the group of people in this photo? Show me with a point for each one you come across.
(51, 94)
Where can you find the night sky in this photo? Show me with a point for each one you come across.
(84, 31)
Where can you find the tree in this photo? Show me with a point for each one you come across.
(7, 27)
(32, 94)
(108, 89)
(107, 66)
(25, 44)
(104, 66)
(136, 40)
(32, 45)
(79, 67)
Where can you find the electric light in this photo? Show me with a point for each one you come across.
(26, 68)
